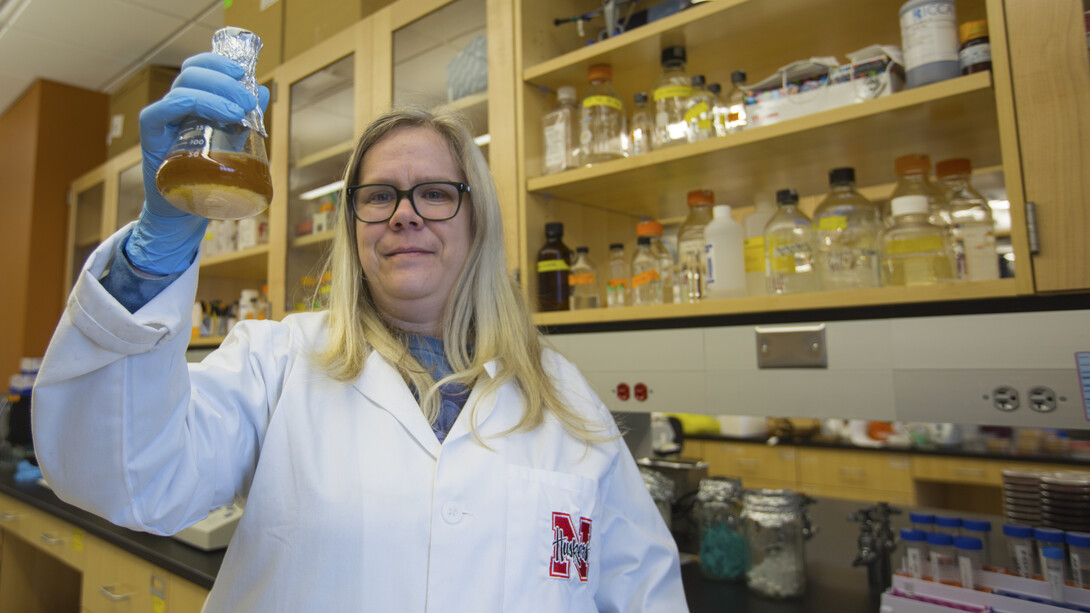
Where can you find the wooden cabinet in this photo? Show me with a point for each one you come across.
(858, 475)
(758, 466)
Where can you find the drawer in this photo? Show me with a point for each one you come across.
(886, 472)
(958, 470)
(17, 518)
(116, 581)
(751, 460)
(59, 538)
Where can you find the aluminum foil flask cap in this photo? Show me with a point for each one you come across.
(243, 47)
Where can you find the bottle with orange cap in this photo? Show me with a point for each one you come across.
(972, 230)
(667, 268)
(915, 251)
(913, 179)
(690, 244)
(602, 132)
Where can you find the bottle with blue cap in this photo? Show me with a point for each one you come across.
(982, 530)
(1021, 560)
(948, 525)
(915, 542)
(1078, 547)
(970, 552)
(943, 562)
(922, 521)
(1047, 537)
(1052, 565)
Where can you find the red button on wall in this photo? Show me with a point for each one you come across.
(640, 391)
(622, 391)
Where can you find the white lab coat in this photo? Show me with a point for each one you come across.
(351, 502)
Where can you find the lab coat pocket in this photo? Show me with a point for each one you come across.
(551, 557)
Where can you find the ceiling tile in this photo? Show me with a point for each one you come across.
(186, 9)
(30, 56)
(196, 39)
(96, 25)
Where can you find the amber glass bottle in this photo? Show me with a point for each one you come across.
(553, 269)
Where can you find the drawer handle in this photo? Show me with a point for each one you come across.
(111, 593)
(854, 471)
(49, 539)
(976, 472)
(747, 462)
(8, 516)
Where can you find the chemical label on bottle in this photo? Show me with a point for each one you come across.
(929, 33)
(785, 256)
(644, 278)
(965, 568)
(673, 91)
(1076, 569)
(556, 153)
(615, 283)
(1023, 560)
(552, 266)
(696, 111)
(832, 222)
(755, 254)
(977, 54)
(586, 278)
(610, 101)
(914, 563)
(927, 244)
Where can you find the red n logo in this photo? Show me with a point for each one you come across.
(570, 547)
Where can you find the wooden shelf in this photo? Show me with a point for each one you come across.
(249, 264)
(326, 154)
(944, 292)
(955, 118)
(320, 239)
(475, 109)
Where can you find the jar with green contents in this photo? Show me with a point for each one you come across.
(724, 554)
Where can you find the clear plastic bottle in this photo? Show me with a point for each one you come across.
(618, 276)
(560, 133)
(789, 248)
(754, 225)
(972, 230)
(646, 279)
(846, 229)
(736, 102)
(699, 111)
(914, 250)
(553, 267)
(671, 291)
(602, 133)
(912, 179)
(724, 255)
(642, 126)
(583, 279)
(671, 98)
(720, 110)
(690, 245)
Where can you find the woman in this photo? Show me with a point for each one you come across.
(412, 448)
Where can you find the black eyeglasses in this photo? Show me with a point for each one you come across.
(435, 201)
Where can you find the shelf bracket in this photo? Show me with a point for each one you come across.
(1031, 228)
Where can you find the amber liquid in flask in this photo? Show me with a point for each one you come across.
(221, 171)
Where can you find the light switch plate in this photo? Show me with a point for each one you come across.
(794, 346)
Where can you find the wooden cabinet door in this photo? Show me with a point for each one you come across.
(1050, 74)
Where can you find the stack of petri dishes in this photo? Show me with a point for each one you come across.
(1022, 495)
(1065, 499)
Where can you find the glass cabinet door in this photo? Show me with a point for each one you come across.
(442, 58)
(321, 137)
(85, 227)
(130, 195)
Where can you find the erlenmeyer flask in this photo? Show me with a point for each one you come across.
(215, 170)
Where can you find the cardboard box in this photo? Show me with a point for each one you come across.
(266, 19)
(820, 84)
(145, 87)
(309, 22)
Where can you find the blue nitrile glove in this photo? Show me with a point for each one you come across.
(166, 238)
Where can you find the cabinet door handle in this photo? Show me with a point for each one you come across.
(49, 539)
(111, 593)
(8, 516)
(975, 472)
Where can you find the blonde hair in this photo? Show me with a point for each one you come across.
(485, 318)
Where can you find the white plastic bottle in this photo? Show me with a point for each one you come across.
(560, 133)
(724, 255)
(754, 225)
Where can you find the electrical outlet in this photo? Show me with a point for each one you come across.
(1005, 398)
(1041, 399)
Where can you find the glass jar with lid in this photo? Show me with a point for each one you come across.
(723, 550)
(776, 526)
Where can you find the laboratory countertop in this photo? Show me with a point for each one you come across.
(831, 579)
(950, 451)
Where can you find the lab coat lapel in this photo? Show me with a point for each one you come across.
(486, 406)
(382, 384)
